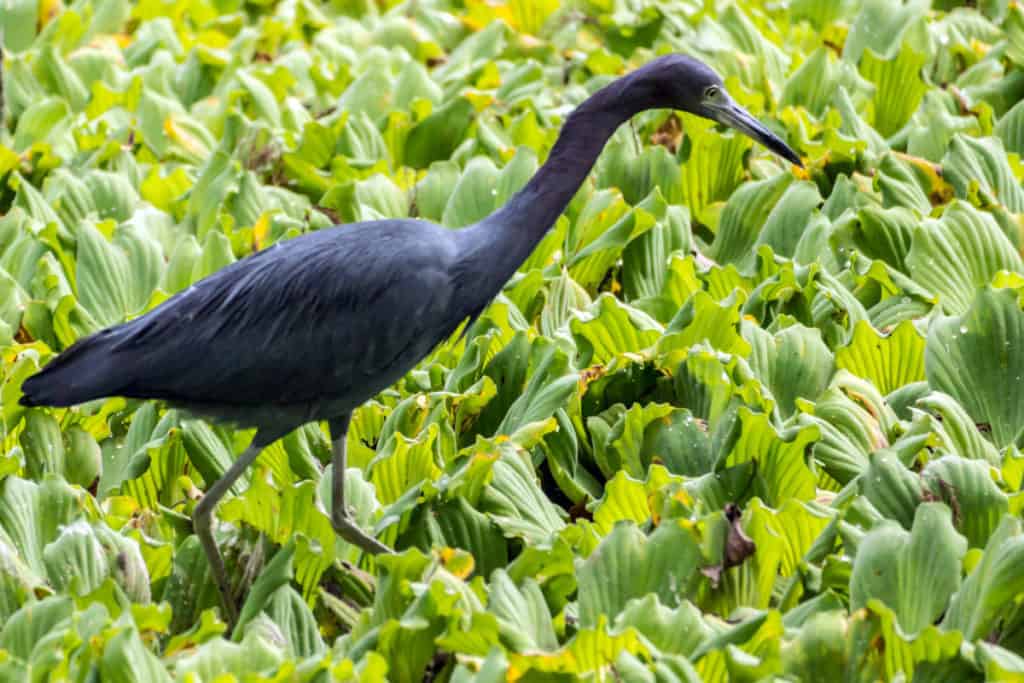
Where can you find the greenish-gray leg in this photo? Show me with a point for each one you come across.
(340, 518)
(202, 522)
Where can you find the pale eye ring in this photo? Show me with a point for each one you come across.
(712, 92)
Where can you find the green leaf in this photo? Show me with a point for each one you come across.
(523, 615)
(618, 447)
(370, 94)
(32, 515)
(881, 233)
(548, 389)
(910, 654)
(628, 565)
(590, 264)
(892, 489)
(973, 164)
(126, 658)
(24, 635)
(628, 499)
(898, 82)
(637, 175)
(967, 487)
(780, 541)
(821, 648)
(789, 218)
(437, 136)
(676, 631)
(264, 103)
(712, 163)
(1010, 129)
(260, 651)
(75, 560)
(190, 585)
(956, 430)
(287, 514)
(680, 442)
(47, 120)
(289, 612)
(43, 445)
(958, 253)
(473, 197)
(611, 329)
(18, 27)
(915, 573)
(702, 320)
(992, 587)
(747, 650)
(457, 524)
(644, 272)
(516, 503)
(744, 215)
(432, 193)
(794, 363)
(999, 663)
(782, 471)
(890, 361)
(973, 358)
(276, 574)
(814, 83)
(403, 463)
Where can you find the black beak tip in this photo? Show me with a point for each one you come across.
(738, 118)
(783, 150)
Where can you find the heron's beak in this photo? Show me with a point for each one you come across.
(728, 113)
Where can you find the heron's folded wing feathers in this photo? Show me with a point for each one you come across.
(291, 328)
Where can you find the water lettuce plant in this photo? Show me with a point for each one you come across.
(730, 421)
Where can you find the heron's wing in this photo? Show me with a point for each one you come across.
(315, 320)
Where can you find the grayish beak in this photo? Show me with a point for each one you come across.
(728, 113)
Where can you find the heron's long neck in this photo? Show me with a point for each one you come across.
(496, 246)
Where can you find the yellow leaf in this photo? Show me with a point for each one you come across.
(479, 100)
(8, 160)
(489, 78)
(458, 562)
(260, 230)
(163, 191)
(177, 133)
(48, 10)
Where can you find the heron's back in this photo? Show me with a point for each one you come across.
(307, 329)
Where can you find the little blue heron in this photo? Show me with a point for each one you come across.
(311, 328)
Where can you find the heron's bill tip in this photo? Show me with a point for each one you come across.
(740, 119)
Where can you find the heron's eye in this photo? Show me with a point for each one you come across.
(712, 92)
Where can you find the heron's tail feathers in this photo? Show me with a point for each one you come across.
(83, 372)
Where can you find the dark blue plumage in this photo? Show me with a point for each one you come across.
(305, 330)
(311, 328)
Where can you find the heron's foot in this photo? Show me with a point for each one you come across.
(347, 528)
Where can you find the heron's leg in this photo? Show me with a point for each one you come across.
(340, 518)
(202, 522)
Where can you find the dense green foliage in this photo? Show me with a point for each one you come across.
(731, 420)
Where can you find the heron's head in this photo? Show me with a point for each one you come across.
(682, 82)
